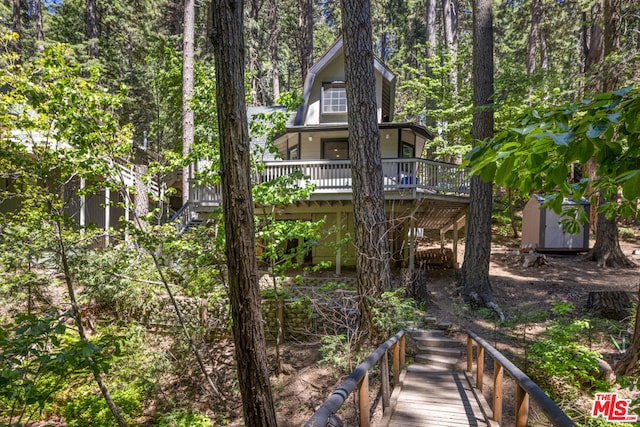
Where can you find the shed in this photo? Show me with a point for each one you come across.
(542, 230)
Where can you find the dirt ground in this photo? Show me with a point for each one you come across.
(563, 278)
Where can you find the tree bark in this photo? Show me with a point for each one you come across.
(273, 49)
(534, 34)
(38, 25)
(450, 21)
(237, 203)
(188, 120)
(371, 234)
(16, 24)
(92, 29)
(253, 42)
(474, 275)
(430, 35)
(305, 42)
(629, 365)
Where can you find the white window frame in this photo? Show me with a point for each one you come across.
(334, 98)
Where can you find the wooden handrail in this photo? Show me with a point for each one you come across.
(325, 415)
(526, 388)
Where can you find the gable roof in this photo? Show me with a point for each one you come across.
(321, 63)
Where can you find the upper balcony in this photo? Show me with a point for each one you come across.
(410, 178)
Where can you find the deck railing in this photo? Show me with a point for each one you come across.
(525, 387)
(399, 174)
(359, 378)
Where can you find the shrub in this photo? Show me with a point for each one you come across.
(182, 418)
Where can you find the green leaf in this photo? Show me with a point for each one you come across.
(598, 128)
(562, 139)
(631, 184)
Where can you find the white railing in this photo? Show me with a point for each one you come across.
(414, 176)
(399, 174)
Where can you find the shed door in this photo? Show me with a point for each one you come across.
(556, 238)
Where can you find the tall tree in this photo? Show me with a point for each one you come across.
(244, 292)
(273, 48)
(534, 35)
(305, 38)
(37, 17)
(187, 90)
(371, 239)
(92, 29)
(16, 24)
(474, 275)
(450, 24)
(431, 33)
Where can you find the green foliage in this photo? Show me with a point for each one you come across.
(394, 311)
(85, 406)
(560, 361)
(538, 149)
(336, 351)
(181, 418)
(330, 286)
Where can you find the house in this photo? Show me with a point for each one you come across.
(419, 193)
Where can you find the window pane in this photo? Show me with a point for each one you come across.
(335, 150)
(334, 98)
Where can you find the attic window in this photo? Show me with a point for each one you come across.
(334, 98)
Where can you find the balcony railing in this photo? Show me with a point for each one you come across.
(399, 174)
(334, 176)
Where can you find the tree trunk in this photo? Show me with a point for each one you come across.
(188, 120)
(431, 27)
(534, 33)
(629, 365)
(606, 251)
(92, 29)
(39, 27)
(253, 42)
(371, 234)
(305, 42)
(450, 21)
(16, 25)
(141, 201)
(474, 275)
(237, 203)
(273, 49)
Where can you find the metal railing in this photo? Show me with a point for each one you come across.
(525, 387)
(359, 378)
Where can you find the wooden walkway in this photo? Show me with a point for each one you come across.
(432, 390)
(438, 397)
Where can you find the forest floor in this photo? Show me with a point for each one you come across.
(518, 290)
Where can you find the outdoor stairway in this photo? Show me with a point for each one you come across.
(433, 392)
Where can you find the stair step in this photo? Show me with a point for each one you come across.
(437, 342)
(426, 332)
(443, 325)
(441, 351)
(430, 321)
(437, 360)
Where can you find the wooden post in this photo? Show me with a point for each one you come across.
(522, 407)
(497, 391)
(469, 354)
(412, 243)
(384, 377)
(363, 400)
(402, 352)
(396, 364)
(480, 367)
(107, 214)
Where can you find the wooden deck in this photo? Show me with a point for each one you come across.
(433, 396)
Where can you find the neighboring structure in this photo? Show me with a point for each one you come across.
(106, 208)
(419, 193)
(542, 230)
